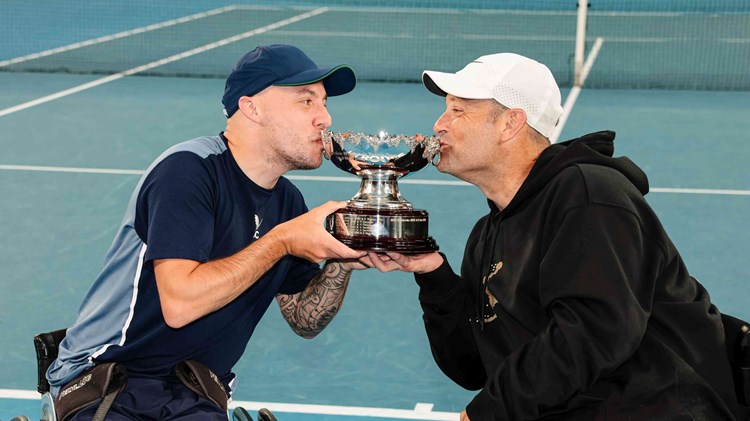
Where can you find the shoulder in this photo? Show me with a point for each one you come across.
(189, 153)
(184, 168)
(611, 192)
(589, 184)
(608, 186)
(186, 158)
(201, 147)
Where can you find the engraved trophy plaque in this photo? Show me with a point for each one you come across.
(378, 218)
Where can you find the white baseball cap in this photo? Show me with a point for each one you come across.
(512, 80)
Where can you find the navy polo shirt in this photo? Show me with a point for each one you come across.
(194, 202)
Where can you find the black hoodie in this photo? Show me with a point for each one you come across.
(573, 303)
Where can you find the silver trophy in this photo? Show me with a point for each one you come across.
(378, 218)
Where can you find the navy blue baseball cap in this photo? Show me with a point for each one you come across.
(281, 65)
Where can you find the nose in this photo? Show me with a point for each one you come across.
(441, 125)
(323, 119)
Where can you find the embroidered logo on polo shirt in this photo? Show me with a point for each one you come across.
(258, 221)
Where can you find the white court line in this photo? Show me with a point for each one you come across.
(346, 179)
(70, 169)
(118, 35)
(573, 95)
(503, 37)
(19, 394)
(423, 11)
(135, 31)
(701, 191)
(447, 11)
(422, 411)
(661, 40)
(361, 34)
(352, 411)
(423, 407)
(163, 61)
(357, 180)
(291, 177)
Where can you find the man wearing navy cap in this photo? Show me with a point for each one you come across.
(212, 234)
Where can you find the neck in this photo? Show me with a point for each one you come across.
(501, 183)
(249, 150)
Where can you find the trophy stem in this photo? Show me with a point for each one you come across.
(379, 190)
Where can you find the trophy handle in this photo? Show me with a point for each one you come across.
(435, 159)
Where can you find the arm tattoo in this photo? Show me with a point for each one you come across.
(310, 311)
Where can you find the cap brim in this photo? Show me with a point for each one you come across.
(337, 80)
(442, 84)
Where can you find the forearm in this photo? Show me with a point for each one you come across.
(189, 290)
(443, 297)
(311, 310)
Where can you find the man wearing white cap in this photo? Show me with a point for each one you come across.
(572, 303)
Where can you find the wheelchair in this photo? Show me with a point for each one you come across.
(736, 332)
(47, 345)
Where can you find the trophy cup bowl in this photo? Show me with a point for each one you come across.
(378, 218)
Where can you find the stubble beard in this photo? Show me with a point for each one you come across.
(299, 157)
(449, 166)
(298, 160)
(444, 166)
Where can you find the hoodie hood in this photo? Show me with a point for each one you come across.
(595, 148)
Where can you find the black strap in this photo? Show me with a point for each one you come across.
(201, 380)
(103, 409)
(101, 383)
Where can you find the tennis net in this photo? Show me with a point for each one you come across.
(688, 44)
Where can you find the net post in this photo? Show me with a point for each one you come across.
(580, 41)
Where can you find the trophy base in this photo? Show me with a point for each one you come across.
(381, 230)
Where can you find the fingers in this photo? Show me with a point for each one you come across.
(339, 250)
(329, 207)
(366, 261)
(383, 262)
(397, 257)
(354, 264)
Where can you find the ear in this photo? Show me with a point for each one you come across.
(514, 122)
(248, 107)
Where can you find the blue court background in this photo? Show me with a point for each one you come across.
(55, 226)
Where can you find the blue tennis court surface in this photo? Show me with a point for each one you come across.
(69, 164)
